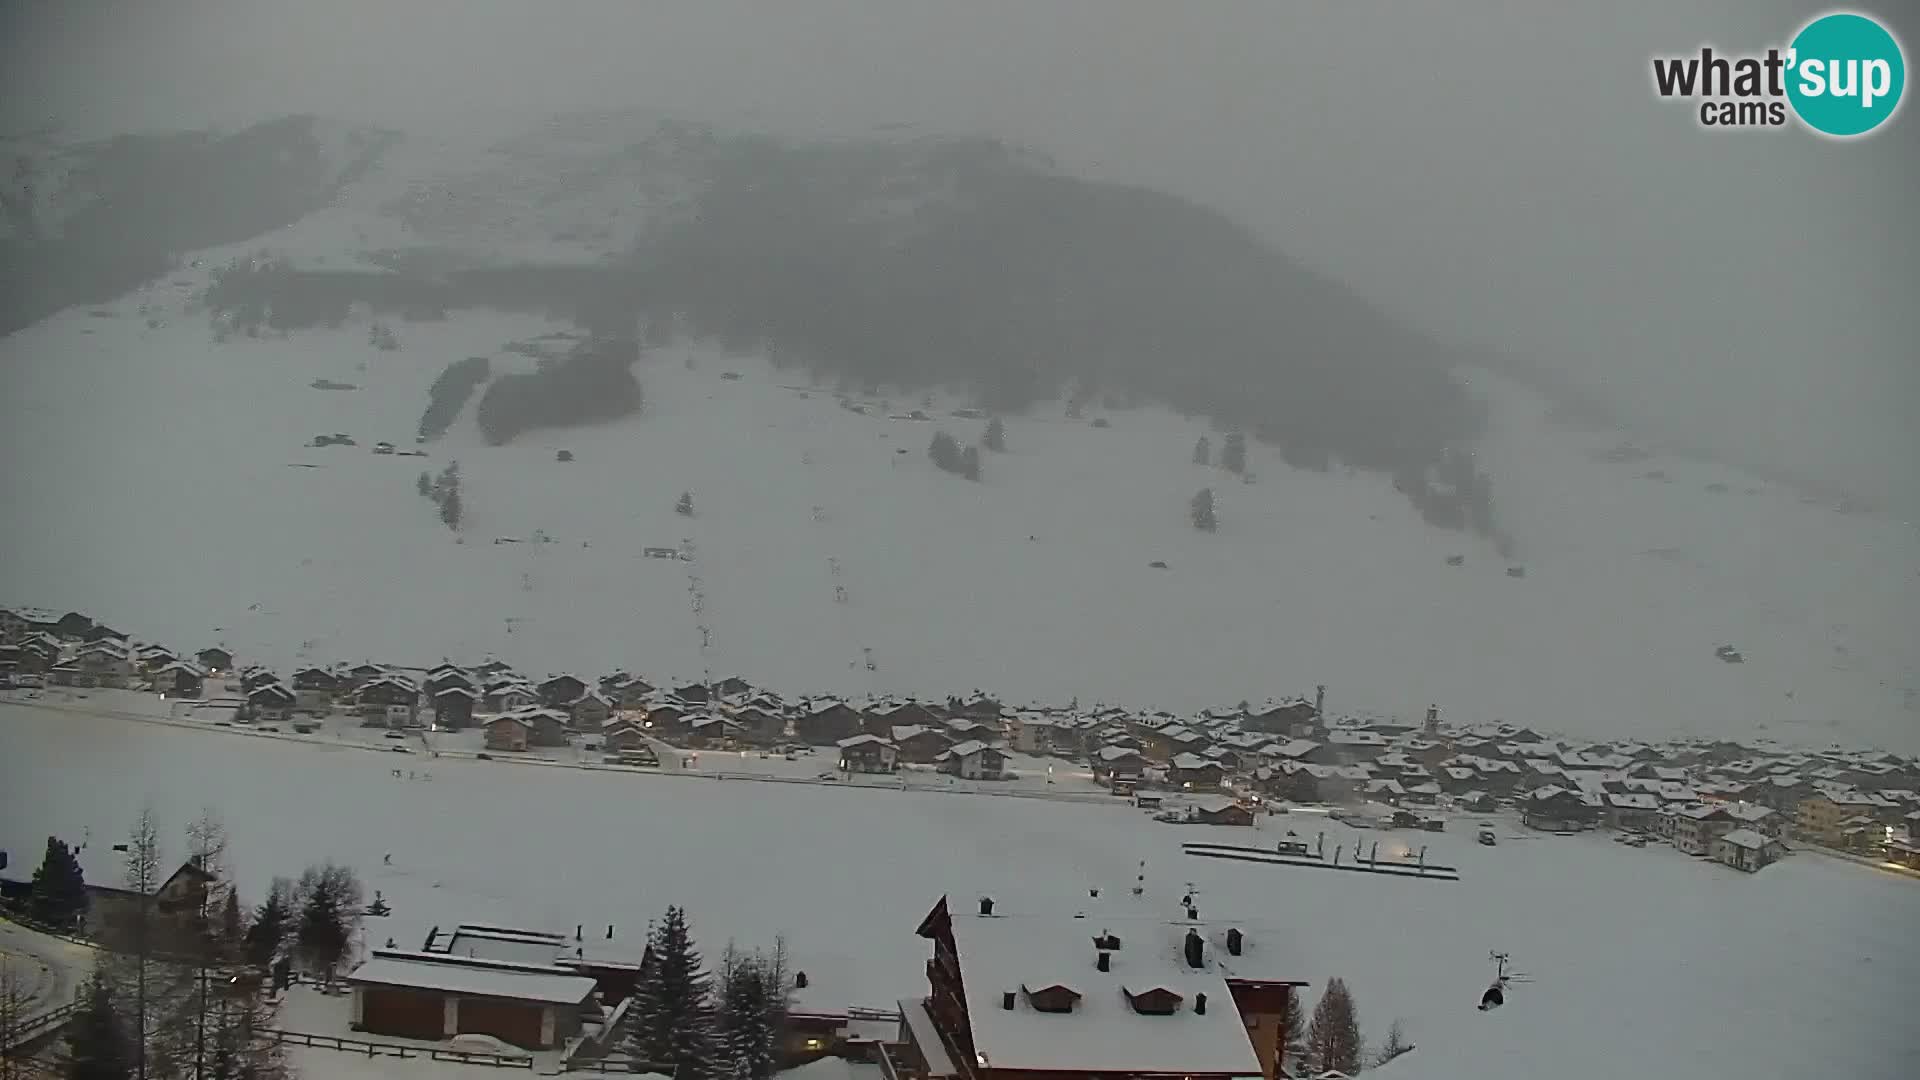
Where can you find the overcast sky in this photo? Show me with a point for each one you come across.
(1499, 172)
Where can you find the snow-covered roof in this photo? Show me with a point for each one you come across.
(1749, 812)
(1746, 838)
(968, 748)
(1192, 761)
(861, 740)
(478, 978)
(1640, 801)
(1103, 1032)
(1115, 753)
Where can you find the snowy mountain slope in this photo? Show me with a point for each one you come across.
(154, 485)
(1804, 969)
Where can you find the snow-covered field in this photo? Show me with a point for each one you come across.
(1646, 962)
(151, 483)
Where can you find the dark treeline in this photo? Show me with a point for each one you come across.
(593, 383)
(971, 265)
(138, 201)
(449, 394)
(967, 264)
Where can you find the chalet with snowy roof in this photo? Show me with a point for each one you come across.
(758, 726)
(629, 694)
(270, 702)
(733, 686)
(590, 711)
(1760, 819)
(182, 679)
(694, 693)
(105, 663)
(453, 707)
(1558, 809)
(1124, 763)
(972, 760)
(1191, 772)
(1696, 827)
(1291, 719)
(560, 691)
(72, 626)
(1033, 733)
(433, 995)
(1219, 810)
(882, 717)
(446, 675)
(917, 744)
(175, 903)
(363, 673)
(622, 735)
(390, 700)
(507, 696)
(547, 727)
(709, 730)
(511, 733)
(963, 728)
(664, 717)
(1631, 810)
(1823, 815)
(1013, 997)
(976, 706)
(20, 623)
(866, 753)
(1745, 849)
(826, 722)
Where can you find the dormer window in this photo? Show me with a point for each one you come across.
(1052, 998)
(1153, 1001)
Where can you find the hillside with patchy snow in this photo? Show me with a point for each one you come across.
(161, 474)
(165, 483)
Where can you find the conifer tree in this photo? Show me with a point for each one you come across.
(1233, 456)
(1333, 1036)
(995, 438)
(672, 1015)
(1203, 452)
(1201, 510)
(59, 887)
(99, 1045)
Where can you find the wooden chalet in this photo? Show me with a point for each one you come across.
(1019, 997)
(825, 724)
(866, 753)
(453, 707)
(560, 691)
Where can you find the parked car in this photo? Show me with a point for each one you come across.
(1486, 838)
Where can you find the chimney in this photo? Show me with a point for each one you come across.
(609, 931)
(1095, 893)
(1433, 719)
(577, 928)
(986, 907)
(799, 980)
(1320, 701)
(1103, 960)
(1195, 949)
(1200, 1004)
(1006, 1001)
(1234, 941)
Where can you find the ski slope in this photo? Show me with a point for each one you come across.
(162, 483)
(1645, 962)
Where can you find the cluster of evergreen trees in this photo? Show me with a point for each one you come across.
(444, 492)
(181, 994)
(702, 1025)
(948, 456)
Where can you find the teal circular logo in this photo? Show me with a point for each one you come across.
(1846, 76)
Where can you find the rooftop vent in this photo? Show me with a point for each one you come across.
(1006, 1000)
(1195, 949)
(986, 908)
(1200, 1004)
(1235, 942)
(1103, 960)
(1107, 940)
(799, 980)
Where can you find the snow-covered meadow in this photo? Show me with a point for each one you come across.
(162, 482)
(1645, 962)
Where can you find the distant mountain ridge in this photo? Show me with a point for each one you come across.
(909, 263)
